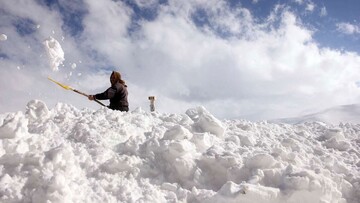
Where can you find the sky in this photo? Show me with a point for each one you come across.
(240, 59)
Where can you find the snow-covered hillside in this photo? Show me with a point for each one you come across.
(335, 115)
(69, 155)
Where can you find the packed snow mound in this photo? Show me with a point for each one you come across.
(336, 115)
(69, 155)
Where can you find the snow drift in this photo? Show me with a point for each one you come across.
(344, 113)
(69, 155)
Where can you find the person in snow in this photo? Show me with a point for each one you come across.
(117, 93)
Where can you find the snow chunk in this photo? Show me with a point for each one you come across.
(334, 138)
(203, 141)
(122, 163)
(177, 133)
(73, 66)
(247, 139)
(15, 125)
(260, 161)
(232, 192)
(205, 122)
(36, 109)
(3, 37)
(180, 148)
(54, 52)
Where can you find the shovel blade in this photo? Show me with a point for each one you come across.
(61, 85)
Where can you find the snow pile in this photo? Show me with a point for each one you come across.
(69, 155)
(335, 115)
(54, 53)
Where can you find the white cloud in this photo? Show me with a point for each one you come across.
(348, 28)
(146, 3)
(260, 70)
(323, 12)
(300, 2)
(105, 27)
(310, 6)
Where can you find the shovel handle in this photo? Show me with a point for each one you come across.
(99, 102)
(86, 95)
(77, 91)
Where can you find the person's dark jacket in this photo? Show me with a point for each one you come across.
(117, 94)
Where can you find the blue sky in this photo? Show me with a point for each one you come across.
(324, 17)
(252, 59)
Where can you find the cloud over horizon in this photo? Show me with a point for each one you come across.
(185, 53)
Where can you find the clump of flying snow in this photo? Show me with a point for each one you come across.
(3, 37)
(54, 52)
(73, 65)
(69, 155)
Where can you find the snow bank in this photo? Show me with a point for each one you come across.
(339, 114)
(69, 155)
(54, 53)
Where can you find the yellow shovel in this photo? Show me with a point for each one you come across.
(70, 88)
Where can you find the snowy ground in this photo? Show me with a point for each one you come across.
(70, 155)
(335, 115)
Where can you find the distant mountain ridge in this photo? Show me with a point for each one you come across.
(340, 114)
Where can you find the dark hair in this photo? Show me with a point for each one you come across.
(117, 76)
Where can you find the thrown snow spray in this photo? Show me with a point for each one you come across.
(73, 66)
(54, 52)
(3, 37)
